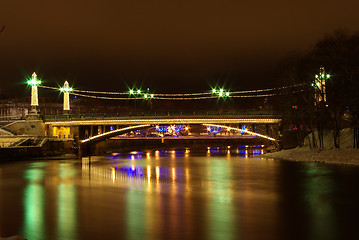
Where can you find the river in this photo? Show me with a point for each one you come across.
(216, 193)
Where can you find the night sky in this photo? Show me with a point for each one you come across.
(168, 46)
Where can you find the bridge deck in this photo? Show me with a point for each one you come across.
(197, 119)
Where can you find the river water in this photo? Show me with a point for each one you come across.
(179, 194)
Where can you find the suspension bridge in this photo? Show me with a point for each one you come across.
(90, 129)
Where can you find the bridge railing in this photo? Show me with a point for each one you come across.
(244, 114)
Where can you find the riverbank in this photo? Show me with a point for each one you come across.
(19, 148)
(305, 154)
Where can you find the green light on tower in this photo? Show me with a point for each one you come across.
(34, 94)
(320, 86)
(34, 81)
(66, 90)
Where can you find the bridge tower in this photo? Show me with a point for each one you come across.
(34, 82)
(34, 124)
(66, 90)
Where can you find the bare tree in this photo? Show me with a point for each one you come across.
(339, 54)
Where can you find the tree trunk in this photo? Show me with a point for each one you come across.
(336, 131)
(313, 136)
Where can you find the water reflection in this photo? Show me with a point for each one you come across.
(221, 217)
(319, 187)
(179, 194)
(37, 198)
(34, 203)
(66, 200)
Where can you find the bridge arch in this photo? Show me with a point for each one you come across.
(114, 133)
(242, 130)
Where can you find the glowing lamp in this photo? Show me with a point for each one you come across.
(139, 91)
(214, 90)
(131, 91)
(33, 81)
(66, 89)
(227, 94)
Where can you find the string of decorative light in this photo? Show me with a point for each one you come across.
(127, 93)
(267, 95)
(48, 87)
(270, 89)
(135, 98)
(189, 96)
(181, 94)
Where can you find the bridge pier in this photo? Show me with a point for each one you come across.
(85, 149)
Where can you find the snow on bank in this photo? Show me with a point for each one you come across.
(304, 154)
(345, 155)
(16, 237)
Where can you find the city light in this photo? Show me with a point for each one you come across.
(164, 121)
(66, 88)
(239, 130)
(221, 92)
(132, 91)
(213, 94)
(114, 131)
(320, 86)
(34, 81)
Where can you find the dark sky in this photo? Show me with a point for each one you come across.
(169, 46)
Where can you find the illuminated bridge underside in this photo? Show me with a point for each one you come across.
(243, 130)
(120, 131)
(114, 133)
(154, 121)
